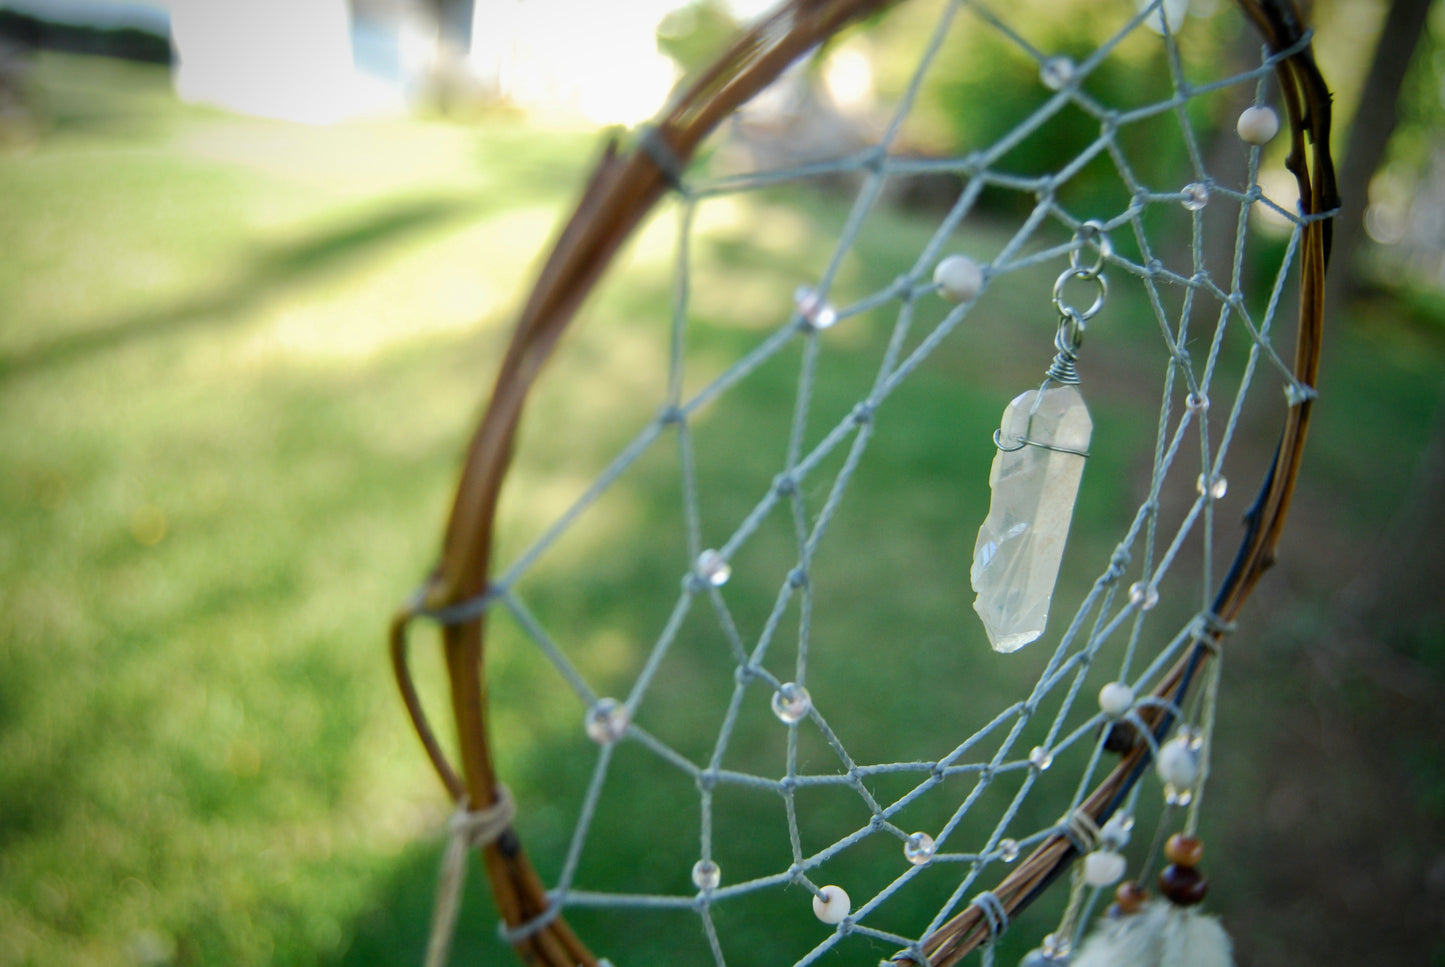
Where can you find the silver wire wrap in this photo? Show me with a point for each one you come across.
(1073, 323)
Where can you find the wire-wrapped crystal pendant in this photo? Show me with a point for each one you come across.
(1042, 442)
(1035, 481)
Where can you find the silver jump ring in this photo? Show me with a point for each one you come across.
(1091, 231)
(1067, 310)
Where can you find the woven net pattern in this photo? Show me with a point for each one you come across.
(740, 732)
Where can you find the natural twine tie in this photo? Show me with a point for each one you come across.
(469, 830)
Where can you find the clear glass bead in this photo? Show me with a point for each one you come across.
(706, 875)
(1114, 834)
(1143, 594)
(1197, 402)
(713, 568)
(1177, 795)
(1297, 393)
(607, 721)
(919, 848)
(1192, 736)
(1008, 849)
(1195, 197)
(1040, 758)
(818, 313)
(1056, 946)
(1215, 488)
(1056, 73)
(791, 702)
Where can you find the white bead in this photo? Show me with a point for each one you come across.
(959, 278)
(1257, 125)
(1115, 699)
(1104, 868)
(832, 904)
(1178, 764)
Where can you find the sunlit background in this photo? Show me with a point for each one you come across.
(257, 262)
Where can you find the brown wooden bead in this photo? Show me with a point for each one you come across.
(1129, 896)
(1184, 850)
(1121, 738)
(1183, 885)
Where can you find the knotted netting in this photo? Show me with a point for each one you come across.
(732, 695)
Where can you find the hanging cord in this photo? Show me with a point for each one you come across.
(468, 830)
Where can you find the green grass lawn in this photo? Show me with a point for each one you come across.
(238, 364)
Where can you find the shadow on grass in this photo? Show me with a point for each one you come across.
(272, 269)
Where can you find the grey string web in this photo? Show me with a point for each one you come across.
(985, 784)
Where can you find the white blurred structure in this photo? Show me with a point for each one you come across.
(595, 60)
(324, 60)
(320, 61)
(315, 61)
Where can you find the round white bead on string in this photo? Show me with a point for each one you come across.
(1257, 125)
(959, 278)
(831, 904)
(1116, 699)
(1178, 763)
(1104, 867)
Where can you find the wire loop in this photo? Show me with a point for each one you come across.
(1066, 309)
(1091, 231)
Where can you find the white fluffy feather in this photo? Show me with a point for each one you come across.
(1159, 935)
(1196, 940)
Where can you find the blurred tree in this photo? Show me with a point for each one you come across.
(1376, 116)
(695, 34)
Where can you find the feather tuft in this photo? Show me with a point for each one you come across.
(1159, 935)
(1196, 940)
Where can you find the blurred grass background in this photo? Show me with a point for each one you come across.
(238, 363)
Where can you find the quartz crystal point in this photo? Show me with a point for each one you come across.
(1016, 559)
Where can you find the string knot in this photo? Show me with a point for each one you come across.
(995, 914)
(1081, 830)
(469, 829)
